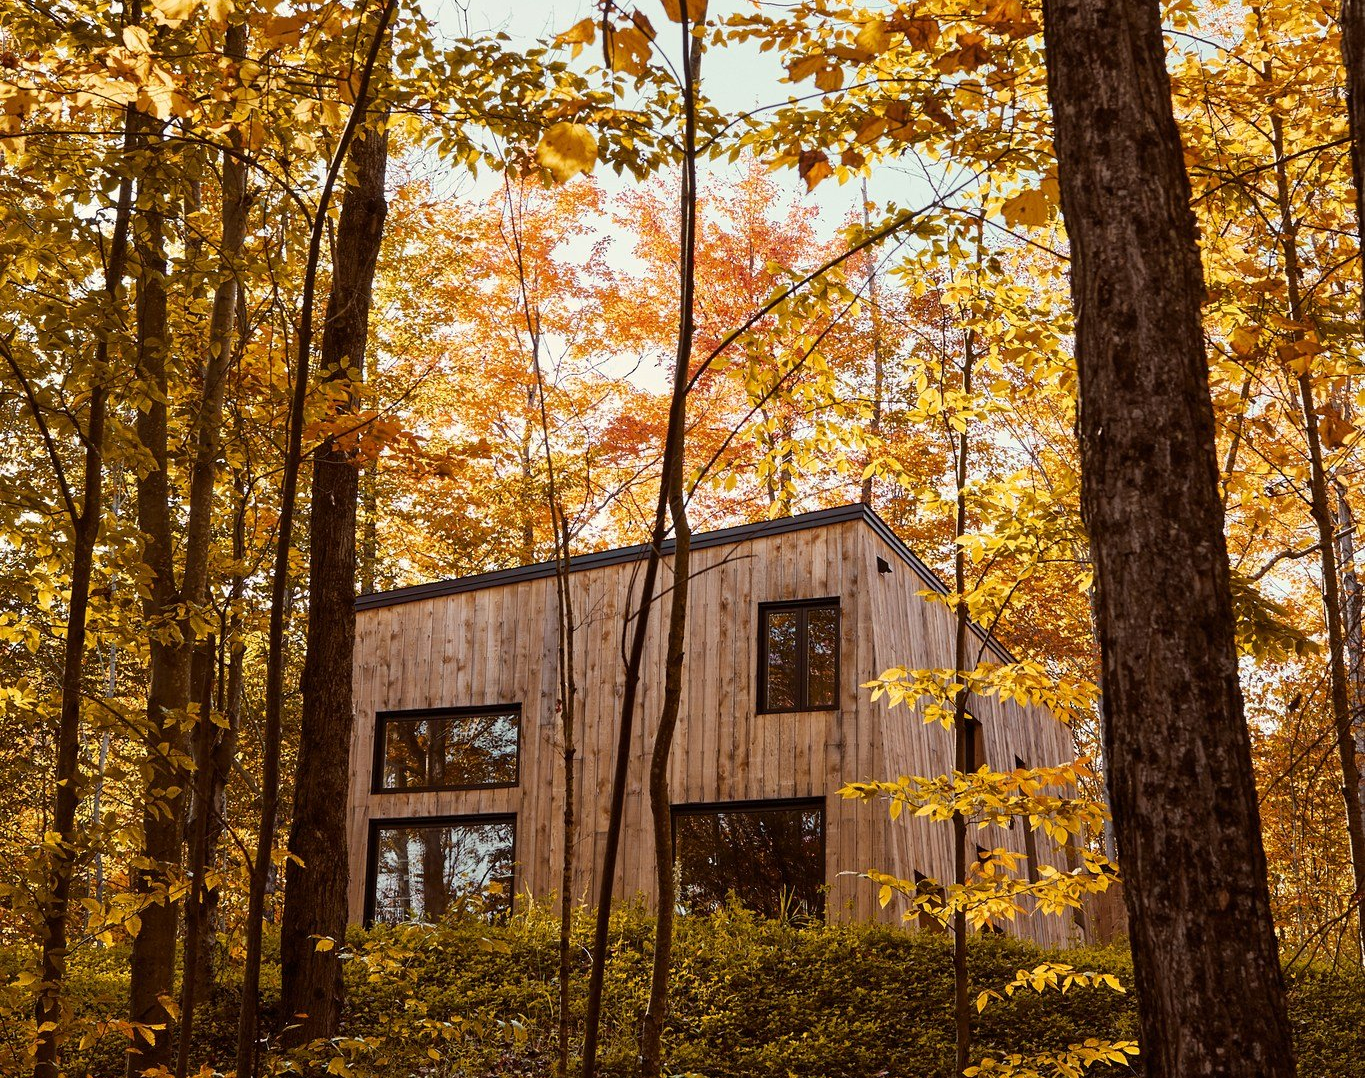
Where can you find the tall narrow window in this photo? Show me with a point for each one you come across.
(1030, 837)
(450, 749)
(769, 856)
(798, 660)
(427, 869)
(976, 744)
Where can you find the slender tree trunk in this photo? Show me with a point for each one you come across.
(568, 732)
(198, 540)
(878, 365)
(962, 735)
(1205, 960)
(315, 890)
(274, 680)
(1353, 616)
(202, 676)
(1320, 504)
(222, 752)
(568, 681)
(86, 526)
(1353, 59)
(660, 801)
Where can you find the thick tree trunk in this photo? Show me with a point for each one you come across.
(262, 861)
(1176, 745)
(86, 527)
(315, 891)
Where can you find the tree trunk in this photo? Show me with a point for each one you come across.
(1205, 960)
(152, 965)
(315, 891)
(198, 538)
(878, 364)
(672, 487)
(221, 754)
(86, 526)
(962, 734)
(1353, 59)
(1320, 504)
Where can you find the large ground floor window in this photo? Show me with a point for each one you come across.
(428, 868)
(769, 854)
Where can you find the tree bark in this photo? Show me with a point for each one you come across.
(152, 965)
(198, 539)
(1323, 518)
(86, 526)
(315, 891)
(672, 486)
(962, 734)
(262, 861)
(1353, 59)
(1205, 960)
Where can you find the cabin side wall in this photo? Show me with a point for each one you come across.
(917, 633)
(499, 646)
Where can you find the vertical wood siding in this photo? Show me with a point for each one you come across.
(498, 645)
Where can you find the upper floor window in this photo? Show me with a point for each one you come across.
(798, 655)
(448, 749)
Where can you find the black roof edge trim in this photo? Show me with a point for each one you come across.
(623, 555)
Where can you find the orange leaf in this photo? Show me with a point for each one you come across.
(813, 167)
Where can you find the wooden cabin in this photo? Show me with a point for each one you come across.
(456, 768)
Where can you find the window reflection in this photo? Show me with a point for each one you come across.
(783, 686)
(452, 750)
(822, 648)
(772, 860)
(424, 871)
(799, 656)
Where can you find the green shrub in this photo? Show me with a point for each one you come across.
(750, 999)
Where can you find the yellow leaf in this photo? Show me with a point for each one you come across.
(696, 11)
(174, 12)
(805, 67)
(1244, 339)
(874, 37)
(566, 150)
(219, 10)
(583, 32)
(829, 78)
(628, 49)
(1028, 208)
(137, 39)
(281, 31)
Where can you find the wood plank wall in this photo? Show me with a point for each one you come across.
(498, 646)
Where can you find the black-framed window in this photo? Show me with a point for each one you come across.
(976, 744)
(427, 868)
(798, 656)
(770, 855)
(447, 748)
